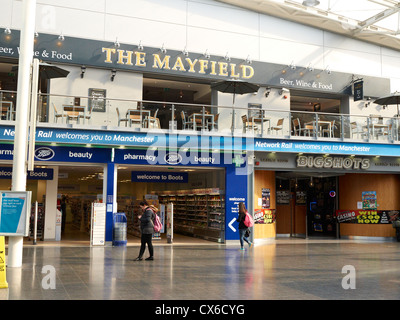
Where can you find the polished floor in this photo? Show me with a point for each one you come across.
(200, 270)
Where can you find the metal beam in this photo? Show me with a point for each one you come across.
(378, 17)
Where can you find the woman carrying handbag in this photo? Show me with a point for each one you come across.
(146, 230)
(244, 231)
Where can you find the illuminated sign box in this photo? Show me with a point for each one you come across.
(14, 213)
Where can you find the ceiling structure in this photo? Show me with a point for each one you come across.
(374, 21)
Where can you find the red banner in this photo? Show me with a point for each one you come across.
(366, 216)
(264, 216)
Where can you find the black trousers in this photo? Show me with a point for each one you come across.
(146, 238)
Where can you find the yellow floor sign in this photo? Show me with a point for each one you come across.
(3, 279)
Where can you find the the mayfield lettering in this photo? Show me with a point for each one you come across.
(178, 63)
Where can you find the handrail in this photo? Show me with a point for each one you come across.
(225, 119)
(192, 104)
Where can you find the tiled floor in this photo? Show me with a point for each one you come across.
(280, 269)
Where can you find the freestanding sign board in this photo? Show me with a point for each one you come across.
(98, 224)
(14, 213)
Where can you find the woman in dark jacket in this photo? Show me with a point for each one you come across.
(242, 226)
(146, 229)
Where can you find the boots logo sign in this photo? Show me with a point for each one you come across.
(44, 153)
(173, 158)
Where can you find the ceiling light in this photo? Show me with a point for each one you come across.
(327, 70)
(83, 70)
(113, 73)
(248, 60)
(227, 58)
(310, 3)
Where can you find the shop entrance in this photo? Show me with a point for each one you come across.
(307, 202)
(78, 188)
(321, 205)
(197, 195)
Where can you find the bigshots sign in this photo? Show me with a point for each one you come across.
(337, 162)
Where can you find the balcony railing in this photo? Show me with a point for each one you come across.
(147, 116)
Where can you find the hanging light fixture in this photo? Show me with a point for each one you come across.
(113, 73)
(310, 3)
(83, 70)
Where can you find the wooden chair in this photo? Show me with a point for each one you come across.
(121, 119)
(248, 124)
(330, 133)
(387, 131)
(355, 130)
(186, 124)
(214, 124)
(298, 130)
(88, 116)
(57, 114)
(154, 121)
(279, 126)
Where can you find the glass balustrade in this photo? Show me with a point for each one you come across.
(100, 112)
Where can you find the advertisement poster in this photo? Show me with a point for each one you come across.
(170, 222)
(369, 200)
(14, 213)
(283, 197)
(98, 224)
(366, 216)
(301, 197)
(266, 198)
(264, 216)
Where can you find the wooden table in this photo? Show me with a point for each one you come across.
(139, 116)
(200, 118)
(74, 113)
(259, 119)
(321, 123)
(373, 126)
(6, 109)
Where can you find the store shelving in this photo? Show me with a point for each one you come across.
(198, 213)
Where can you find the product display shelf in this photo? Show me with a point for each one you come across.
(198, 214)
(80, 208)
(39, 223)
(130, 207)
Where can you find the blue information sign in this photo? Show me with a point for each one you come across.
(14, 213)
(167, 177)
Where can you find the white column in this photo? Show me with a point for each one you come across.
(51, 206)
(15, 244)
